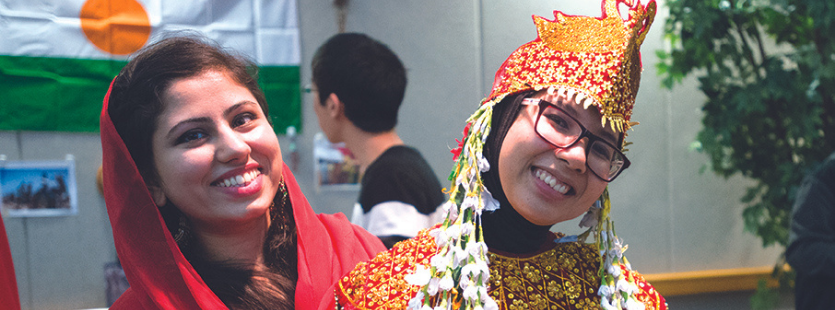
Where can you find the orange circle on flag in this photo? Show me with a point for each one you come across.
(118, 27)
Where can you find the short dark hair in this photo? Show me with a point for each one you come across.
(367, 77)
(135, 100)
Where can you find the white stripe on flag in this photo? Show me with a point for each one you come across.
(266, 30)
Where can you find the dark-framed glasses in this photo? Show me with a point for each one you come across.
(563, 130)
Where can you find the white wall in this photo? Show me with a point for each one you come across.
(673, 217)
(59, 261)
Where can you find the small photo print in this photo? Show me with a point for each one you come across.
(38, 188)
(335, 167)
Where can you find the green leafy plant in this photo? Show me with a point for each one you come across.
(767, 68)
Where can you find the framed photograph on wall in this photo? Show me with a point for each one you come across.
(38, 188)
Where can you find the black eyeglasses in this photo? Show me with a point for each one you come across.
(562, 130)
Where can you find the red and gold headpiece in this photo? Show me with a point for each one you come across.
(597, 59)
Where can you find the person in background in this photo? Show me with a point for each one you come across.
(540, 150)
(358, 86)
(205, 214)
(811, 250)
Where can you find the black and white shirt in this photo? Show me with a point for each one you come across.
(400, 195)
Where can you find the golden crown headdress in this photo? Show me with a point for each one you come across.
(596, 58)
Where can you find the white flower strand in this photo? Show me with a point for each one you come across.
(617, 290)
(460, 271)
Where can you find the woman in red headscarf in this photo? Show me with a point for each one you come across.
(205, 213)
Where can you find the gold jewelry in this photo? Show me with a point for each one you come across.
(279, 215)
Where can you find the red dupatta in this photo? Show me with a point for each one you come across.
(8, 284)
(161, 278)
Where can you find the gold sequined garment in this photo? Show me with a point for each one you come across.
(379, 283)
(564, 277)
(561, 276)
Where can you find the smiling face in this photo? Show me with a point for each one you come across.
(545, 184)
(217, 157)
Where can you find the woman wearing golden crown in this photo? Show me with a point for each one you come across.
(540, 150)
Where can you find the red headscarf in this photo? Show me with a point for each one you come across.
(161, 278)
(8, 284)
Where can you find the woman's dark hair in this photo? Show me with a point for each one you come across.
(134, 107)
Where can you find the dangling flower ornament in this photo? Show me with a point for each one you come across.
(458, 275)
(618, 288)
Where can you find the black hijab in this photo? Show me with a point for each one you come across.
(505, 229)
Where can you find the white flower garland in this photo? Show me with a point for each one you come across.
(459, 273)
(617, 289)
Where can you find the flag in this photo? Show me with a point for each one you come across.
(57, 58)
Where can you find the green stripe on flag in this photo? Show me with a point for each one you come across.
(65, 94)
(281, 86)
(53, 94)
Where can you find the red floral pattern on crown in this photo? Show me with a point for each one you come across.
(596, 58)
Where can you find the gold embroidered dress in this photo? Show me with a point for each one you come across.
(560, 276)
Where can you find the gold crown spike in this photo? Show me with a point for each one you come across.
(596, 57)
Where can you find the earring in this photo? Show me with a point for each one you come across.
(273, 211)
(279, 212)
(181, 238)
